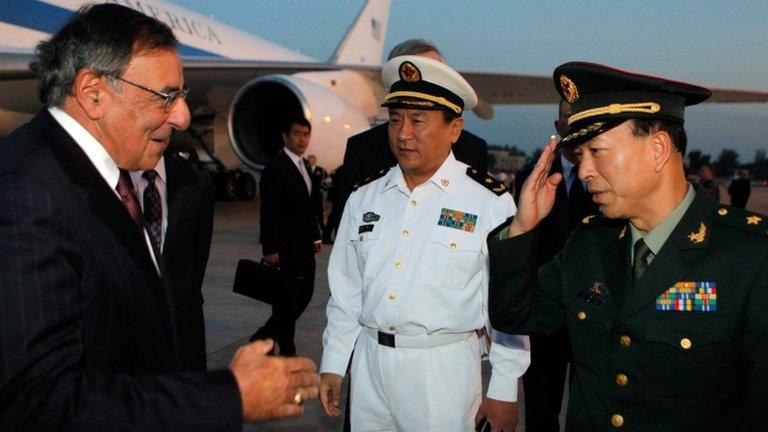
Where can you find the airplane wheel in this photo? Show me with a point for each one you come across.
(246, 186)
(226, 187)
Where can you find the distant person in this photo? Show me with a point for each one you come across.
(707, 181)
(368, 152)
(739, 189)
(408, 274)
(88, 337)
(544, 381)
(177, 203)
(290, 230)
(337, 205)
(318, 175)
(664, 294)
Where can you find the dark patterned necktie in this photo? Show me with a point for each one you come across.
(153, 209)
(641, 259)
(128, 195)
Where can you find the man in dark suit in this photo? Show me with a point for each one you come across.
(544, 380)
(664, 295)
(180, 198)
(368, 152)
(290, 230)
(88, 336)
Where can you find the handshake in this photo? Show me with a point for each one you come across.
(272, 387)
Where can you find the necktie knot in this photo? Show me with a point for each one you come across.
(640, 262)
(150, 175)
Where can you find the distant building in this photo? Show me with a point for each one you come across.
(505, 160)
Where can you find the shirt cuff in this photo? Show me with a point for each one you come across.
(502, 388)
(334, 362)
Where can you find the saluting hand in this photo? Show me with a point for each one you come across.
(537, 196)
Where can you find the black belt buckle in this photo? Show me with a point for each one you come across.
(387, 339)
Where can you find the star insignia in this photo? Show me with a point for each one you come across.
(698, 237)
(488, 180)
(753, 220)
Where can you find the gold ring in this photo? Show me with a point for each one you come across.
(297, 398)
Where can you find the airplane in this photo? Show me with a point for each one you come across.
(243, 86)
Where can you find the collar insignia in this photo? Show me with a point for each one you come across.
(623, 233)
(753, 220)
(698, 237)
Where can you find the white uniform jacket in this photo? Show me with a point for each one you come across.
(416, 263)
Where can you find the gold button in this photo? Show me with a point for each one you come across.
(398, 264)
(453, 245)
(392, 296)
(413, 203)
(622, 379)
(392, 328)
(617, 420)
(445, 182)
(581, 315)
(625, 340)
(405, 233)
(686, 343)
(362, 238)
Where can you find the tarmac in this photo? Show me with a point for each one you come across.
(230, 318)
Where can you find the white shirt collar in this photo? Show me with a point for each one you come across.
(294, 157)
(92, 148)
(443, 178)
(159, 168)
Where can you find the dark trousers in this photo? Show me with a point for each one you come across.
(281, 326)
(544, 382)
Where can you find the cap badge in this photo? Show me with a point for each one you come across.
(570, 91)
(698, 237)
(753, 220)
(409, 72)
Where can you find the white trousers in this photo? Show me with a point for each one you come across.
(415, 389)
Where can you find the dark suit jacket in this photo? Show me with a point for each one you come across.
(368, 152)
(87, 332)
(289, 224)
(685, 370)
(185, 254)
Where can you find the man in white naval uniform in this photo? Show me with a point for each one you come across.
(409, 274)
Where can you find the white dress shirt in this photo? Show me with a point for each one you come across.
(396, 268)
(161, 183)
(299, 162)
(100, 159)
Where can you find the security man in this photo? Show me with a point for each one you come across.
(664, 295)
(409, 272)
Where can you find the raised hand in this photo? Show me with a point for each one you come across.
(537, 195)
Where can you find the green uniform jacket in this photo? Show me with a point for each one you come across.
(638, 368)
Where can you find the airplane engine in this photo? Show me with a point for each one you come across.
(258, 111)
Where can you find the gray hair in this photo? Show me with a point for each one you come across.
(102, 38)
(413, 47)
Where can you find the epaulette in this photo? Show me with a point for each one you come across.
(367, 180)
(742, 219)
(487, 181)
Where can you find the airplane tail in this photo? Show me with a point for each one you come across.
(364, 41)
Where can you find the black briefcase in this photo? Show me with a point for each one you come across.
(263, 282)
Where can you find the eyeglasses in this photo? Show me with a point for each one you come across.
(170, 97)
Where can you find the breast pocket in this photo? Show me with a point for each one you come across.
(366, 243)
(453, 257)
(687, 356)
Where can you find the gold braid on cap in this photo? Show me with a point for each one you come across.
(439, 100)
(640, 107)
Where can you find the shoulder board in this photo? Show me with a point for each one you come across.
(742, 219)
(367, 180)
(487, 181)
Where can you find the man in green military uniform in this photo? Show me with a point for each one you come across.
(665, 295)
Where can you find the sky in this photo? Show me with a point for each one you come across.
(715, 44)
